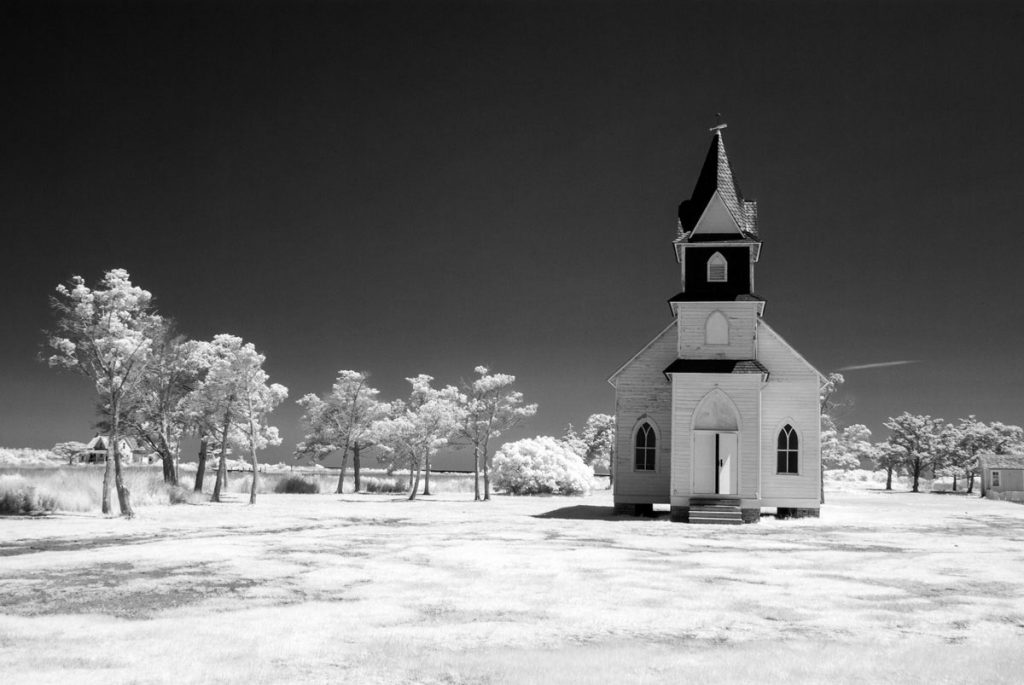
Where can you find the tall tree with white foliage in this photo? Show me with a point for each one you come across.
(106, 334)
(889, 457)
(159, 417)
(918, 435)
(843, 448)
(491, 407)
(419, 427)
(340, 421)
(827, 405)
(237, 390)
(595, 443)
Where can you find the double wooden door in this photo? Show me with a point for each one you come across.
(715, 462)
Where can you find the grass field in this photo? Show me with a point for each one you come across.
(368, 588)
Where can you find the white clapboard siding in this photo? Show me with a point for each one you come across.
(693, 317)
(643, 392)
(688, 389)
(790, 396)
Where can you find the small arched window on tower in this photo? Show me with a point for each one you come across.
(789, 450)
(716, 329)
(644, 447)
(718, 269)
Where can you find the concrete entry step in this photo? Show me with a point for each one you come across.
(716, 510)
(715, 521)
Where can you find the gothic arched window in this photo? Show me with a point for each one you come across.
(718, 269)
(644, 447)
(789, 450)
(716, 329)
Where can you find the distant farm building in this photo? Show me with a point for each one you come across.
(1002, 476)
(97, 450)
(718, 416)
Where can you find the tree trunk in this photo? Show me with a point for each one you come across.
(222, 467)
(341, 476)
(108, 472)
(201, 469)
(611, 469)
(355, 466)
(970, 483)
(170, 476)
(487, 482)
(954, 482)
(255, 470)
(888, 478)
(124, 497)
(476, 473)
(917, 474)
(426, 474)
(415, 484)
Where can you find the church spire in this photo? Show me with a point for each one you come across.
(716, 176)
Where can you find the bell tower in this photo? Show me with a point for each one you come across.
(717, 244)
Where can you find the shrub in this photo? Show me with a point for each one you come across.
(384, 485)
(18, 496)
(297, 485)
(541, 465)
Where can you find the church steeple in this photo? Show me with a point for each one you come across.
(718, 243)
(717, 179)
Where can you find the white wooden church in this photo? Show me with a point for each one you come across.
(718, 416)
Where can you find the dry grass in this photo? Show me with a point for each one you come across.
(79, 489)
(889, 588)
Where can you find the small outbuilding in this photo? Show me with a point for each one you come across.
(1002, 476)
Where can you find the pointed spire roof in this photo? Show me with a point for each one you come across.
(716, 176)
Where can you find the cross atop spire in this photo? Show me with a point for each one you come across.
(717, 128)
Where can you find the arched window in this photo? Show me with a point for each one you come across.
(644, 448)
(789, 450)
(718, 269)
(716, 329)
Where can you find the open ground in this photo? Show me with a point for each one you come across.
(884, 587)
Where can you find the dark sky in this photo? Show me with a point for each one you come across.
(423, 187)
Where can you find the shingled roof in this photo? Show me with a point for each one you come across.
(1001, 461)
(716, 175)
(714, 297)
(715, 366)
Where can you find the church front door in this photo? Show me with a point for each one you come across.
(714, 462)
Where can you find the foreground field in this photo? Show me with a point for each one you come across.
(366, 588)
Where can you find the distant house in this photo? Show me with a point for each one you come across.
(97, 449)
(1002, 476)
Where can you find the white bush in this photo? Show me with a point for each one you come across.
(541, 465)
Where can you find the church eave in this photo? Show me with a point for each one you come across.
(716, 366)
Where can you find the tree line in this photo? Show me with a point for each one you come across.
(159, 387)
(917, 443)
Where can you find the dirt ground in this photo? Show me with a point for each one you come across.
(884, 587)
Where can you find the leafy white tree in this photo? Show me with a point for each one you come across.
(918, 435)
(827, 403)
(159, 417)
(889, 457)
(69, 450)
(237, 390)
(419, 427)
(595, 444)
(341, 421)
(542, 465)
(491, 407)
(843, 449)
(106, 334)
